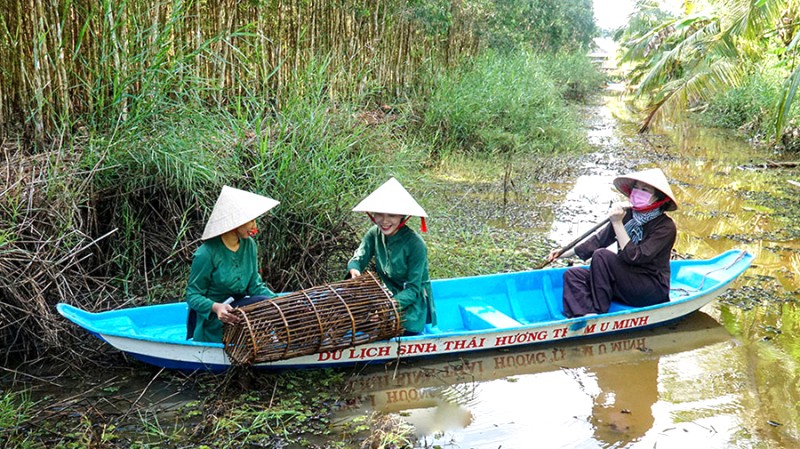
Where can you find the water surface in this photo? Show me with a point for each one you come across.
(725, 377)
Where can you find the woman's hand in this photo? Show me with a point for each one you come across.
(225, 313)
(554, 255)
(615, 217)
(616, 214)
(354, 273)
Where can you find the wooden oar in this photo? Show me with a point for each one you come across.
(574, 242)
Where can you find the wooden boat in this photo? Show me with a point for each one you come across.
(474, 313)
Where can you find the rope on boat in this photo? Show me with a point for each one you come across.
(319, 319)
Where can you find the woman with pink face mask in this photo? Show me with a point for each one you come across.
(225, 266)
(399, 253)
(638, 273)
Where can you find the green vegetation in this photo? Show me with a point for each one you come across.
(95, 64)
(575, 77)
(500, 104)
(15, 411)
(121, 122)
(549, 25)
(710, 47)
(747, 107)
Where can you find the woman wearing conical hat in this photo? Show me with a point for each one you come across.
(400, 254)
(226, 264)
(638, 273)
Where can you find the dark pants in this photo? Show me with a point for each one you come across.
(591, 291)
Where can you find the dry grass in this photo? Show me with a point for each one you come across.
(45, 250)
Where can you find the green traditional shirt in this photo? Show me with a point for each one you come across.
(217, 274)
(401, 261)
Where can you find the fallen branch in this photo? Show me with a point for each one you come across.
(774, 164)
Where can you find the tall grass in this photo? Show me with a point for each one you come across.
(502, 103)
(574, 75)
(15, 410)
(158, 176)
(315, 156)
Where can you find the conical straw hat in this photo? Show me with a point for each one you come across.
(391, 198)
(234, 208)
(654, 177)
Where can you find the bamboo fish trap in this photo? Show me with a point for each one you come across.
(324, 318)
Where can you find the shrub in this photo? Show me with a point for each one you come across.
(502, 102)
(748, 107)
(574, 75)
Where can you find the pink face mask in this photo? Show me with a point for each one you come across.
(639, 198)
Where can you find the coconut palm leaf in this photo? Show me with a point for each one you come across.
(690, 69)
(750, 18)
(691, 49)
(703, 54)
(640, 48)
(785, 101)
(702, 83)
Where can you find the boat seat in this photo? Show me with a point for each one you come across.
(480, 316)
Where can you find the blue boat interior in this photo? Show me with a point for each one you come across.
(509, 300)
(478, 303)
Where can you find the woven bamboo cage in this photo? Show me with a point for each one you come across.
(324, 318)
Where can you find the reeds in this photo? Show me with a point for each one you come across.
(46, 253)
(64, 62)
(501, 104)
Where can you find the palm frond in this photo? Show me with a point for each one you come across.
(785, 101)
(750, 18)
(705, 81)
(695, 45)
(640, 47)
(703, 54)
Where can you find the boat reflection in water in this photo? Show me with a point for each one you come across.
(622, 408)
(617, 378)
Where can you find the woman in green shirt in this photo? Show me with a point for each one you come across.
(225, 266)
(400, 254)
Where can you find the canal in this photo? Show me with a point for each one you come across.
(725, 377)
